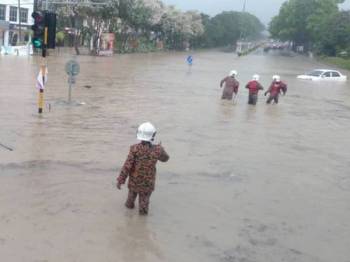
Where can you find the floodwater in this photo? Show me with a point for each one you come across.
(243, 184)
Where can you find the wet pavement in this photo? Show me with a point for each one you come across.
(244, 184)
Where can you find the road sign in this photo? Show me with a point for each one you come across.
(72, 68)
(190, 60)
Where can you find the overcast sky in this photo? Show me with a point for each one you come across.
(263, 9)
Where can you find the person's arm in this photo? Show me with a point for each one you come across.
(260, 87)
(126, 169)
(269, 90)
(284, 89)
(235, 89)
(222, 82)
(247, 86)
(163, 155)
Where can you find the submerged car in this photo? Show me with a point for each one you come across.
(323, 75)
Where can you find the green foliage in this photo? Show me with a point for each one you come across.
(318, 25)
(60, 37)
(143, 22)
(291, 23)
(340, 62)
(336, 36)
(323, 14)
(228, 27)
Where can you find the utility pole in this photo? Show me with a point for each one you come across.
(35, 6)
(44, 37)
(239, 43)
(244, 5)
(19, 22)
(243, 11)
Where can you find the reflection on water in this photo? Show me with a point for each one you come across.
(139, 243)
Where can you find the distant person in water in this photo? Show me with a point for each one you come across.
(277, 87)
(231, 85)
(140, 167)
(254, 87)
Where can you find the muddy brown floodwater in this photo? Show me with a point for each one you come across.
(244, 184)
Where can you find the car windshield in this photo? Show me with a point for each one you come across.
(315, 73)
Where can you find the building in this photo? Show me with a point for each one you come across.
(15, 23)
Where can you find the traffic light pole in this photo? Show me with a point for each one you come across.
(43, 73)
(44, 37)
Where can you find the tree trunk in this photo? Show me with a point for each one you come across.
(76, 43)
(94, 45)
(76, 31)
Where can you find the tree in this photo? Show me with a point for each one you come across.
(303, 21)
(178, 27)
(336, 35)
(148, 20)
(291, 22)
(228, 27)
(323, 14)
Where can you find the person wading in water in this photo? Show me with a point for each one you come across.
(140, 167)
(276, 88)
(231, 86)
(254, 87)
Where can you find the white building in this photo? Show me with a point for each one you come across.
(12, 19)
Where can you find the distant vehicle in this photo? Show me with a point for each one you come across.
(323, 75)
(276, 45)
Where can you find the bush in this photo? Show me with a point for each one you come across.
(60, 38)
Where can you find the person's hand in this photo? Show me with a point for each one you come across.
(119, 186)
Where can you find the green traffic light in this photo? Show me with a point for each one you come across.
(37, 43)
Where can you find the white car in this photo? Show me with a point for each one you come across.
(323, 75)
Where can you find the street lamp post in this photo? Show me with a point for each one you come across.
(243, 11)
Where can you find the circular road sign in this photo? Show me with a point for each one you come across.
(72, 68)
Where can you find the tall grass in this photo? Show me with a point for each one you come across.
(338, 61)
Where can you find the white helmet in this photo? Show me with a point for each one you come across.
(256, 77)
(146, 132)
(276, 78)
(233, 73)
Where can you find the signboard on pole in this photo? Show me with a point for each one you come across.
(190, 60)
(72, 68)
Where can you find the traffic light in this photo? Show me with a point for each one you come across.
(44, 31)
(50, 23)
(38, 29)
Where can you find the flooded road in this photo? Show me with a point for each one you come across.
(243, 184)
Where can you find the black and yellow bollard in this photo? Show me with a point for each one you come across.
(41, 101)
(41, 90)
